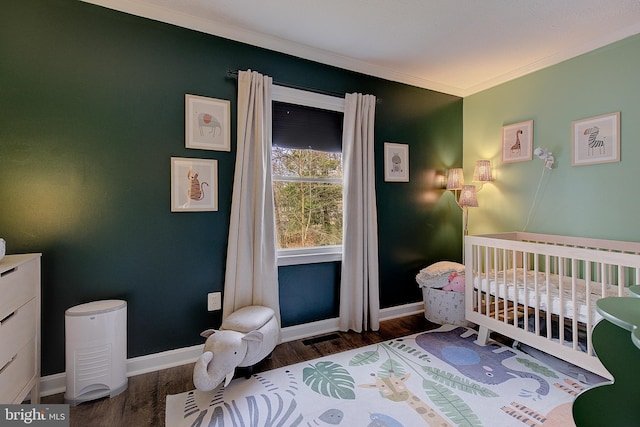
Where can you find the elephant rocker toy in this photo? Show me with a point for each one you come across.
(245, 337)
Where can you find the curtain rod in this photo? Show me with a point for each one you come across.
(234, 75)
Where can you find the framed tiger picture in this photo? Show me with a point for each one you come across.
(194, 185)
(596, 140)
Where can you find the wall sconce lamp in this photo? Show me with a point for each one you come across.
(482, 172)
(468, 193)
(455, 180)
(440, 178)
(468, 199)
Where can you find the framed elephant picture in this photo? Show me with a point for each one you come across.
(207, 123)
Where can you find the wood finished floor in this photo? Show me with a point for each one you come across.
(143, 403)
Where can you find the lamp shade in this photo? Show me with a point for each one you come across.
(482, 171)
(468, 197)
(455, 179)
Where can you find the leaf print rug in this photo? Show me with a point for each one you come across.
(436, 378)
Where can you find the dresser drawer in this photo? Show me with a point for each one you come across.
(17, 373)
(16, 329)
(17, 286)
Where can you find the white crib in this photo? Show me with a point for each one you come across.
(541, 289)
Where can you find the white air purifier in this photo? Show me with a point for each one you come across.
(95, 350)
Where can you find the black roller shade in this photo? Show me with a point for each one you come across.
(301, 127)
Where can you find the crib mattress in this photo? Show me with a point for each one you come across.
(548, 296)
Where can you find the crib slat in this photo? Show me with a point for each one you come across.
(525, 285)
(486, 269)
(505, 295)
(561, 273)
(536, 294)
(497, 269)
(477, 272)
(574, 307)
(514, 263)
(547, 281)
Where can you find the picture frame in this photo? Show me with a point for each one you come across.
(194, 185)
(517, 142)
(207, 123)
(396, 162)
(595, 140)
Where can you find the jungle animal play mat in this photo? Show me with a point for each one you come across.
(436, 378)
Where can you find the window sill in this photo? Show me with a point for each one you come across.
(309, 255)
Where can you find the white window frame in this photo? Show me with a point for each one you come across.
(314, 254)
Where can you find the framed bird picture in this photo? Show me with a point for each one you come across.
(517, 142)
(596, 140)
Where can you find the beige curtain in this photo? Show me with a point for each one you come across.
(359, 288)
(251, 276)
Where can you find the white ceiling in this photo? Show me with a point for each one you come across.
(458, 47)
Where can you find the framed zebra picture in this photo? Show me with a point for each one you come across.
(194, 185)
(207, 123)
(517, 142)
(596, 140)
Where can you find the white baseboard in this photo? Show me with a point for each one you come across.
(292, 333)
(401, 310)
(306, 330)
(57, 383)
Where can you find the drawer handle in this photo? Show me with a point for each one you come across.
(3, 321)
(7, 364)
(6, 273)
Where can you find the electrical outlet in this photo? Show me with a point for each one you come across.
(214, 301)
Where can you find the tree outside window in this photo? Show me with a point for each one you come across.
(308, 197)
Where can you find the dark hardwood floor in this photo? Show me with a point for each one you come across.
(143, 403)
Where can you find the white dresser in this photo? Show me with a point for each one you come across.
(20, 328)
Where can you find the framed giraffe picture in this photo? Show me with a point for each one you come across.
(596, 140)
(517, 142)
(194, 185)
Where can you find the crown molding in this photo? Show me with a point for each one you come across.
(555, 59)
(221, 29)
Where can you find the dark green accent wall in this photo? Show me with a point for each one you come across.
(92, 109)
(309, 292)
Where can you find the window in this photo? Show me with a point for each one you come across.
(307, 175)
